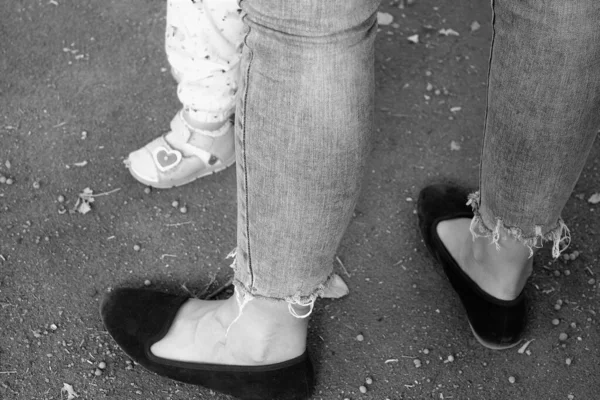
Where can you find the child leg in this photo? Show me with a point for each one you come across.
(203, 42)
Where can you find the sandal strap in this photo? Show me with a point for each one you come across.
(209, 146)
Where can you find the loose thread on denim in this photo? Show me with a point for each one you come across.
(232, 254)
(310, 304)
(244, 295)
(560, 236)
(242, 299)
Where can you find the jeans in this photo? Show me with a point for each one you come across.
(304, 119)
(543, 114)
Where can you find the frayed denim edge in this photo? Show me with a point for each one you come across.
(560, 235)
(243, 295)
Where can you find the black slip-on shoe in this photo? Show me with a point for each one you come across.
(138, 318)
(497, 324)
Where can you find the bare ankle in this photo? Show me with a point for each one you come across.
(506, 250)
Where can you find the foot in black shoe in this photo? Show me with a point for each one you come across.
(137, 319)
(496, 323)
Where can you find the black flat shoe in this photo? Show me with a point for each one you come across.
(138, 318)
(496, 324)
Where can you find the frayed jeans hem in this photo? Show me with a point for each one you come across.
(559, 235)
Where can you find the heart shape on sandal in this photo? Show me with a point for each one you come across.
(166, 158)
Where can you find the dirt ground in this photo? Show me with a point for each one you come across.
(84, 82)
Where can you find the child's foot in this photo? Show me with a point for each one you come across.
(184, 154)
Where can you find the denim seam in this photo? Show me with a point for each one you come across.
(243, 123)
(487, 99)
(560, 234)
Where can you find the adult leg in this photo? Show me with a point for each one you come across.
(542, 117)
(303, 125)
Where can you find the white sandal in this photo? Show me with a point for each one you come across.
(183, 155)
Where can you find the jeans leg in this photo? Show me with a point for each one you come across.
(303, 124)
(542, 117)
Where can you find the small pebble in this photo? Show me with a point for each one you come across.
(36, 185)
(511, 379)
(557, 307)
(556, 272)
(563, 336)
(363, 389)
(102, 365)
(183, 209)
(147, 282)
(175, 204)
(555, 321)
(369, 380)
(567, 272)
(425, 351)
(572, 256)
(2, 179)
(9, 181)
(360, 337)
(98, 372)
(450, 358)
(53, 327)
(592, 281)
(136, 247)
(570, 397)
(417, 363)
(568, 361)
(61, 198)
(559, 302)
(566, 257)
(573, 325)
(147, 190)
(576, 253)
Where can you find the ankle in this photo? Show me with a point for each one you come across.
(202, 125)
(506, 251)
(274, 333)
(273, 314)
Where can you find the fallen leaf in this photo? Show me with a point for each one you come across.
(455, 109)
(336, 288)
(475, 26)
(524, 347)
(448, 32)
(84, 207)
(87, 195)
(70, 392)
(413, 38)
(384, 18)
(594, 199)
(454, 146)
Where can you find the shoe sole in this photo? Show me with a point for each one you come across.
(185, 181)
(492, 346)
